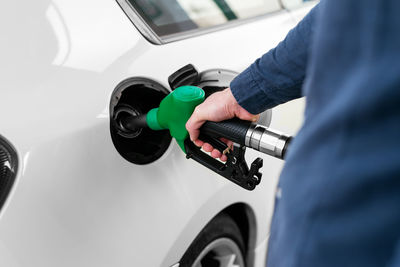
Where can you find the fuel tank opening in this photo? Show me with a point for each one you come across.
(122, 112)
(135, 97)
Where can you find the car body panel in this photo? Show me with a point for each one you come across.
(76, 201)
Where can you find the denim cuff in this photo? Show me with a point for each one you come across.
(248, 93)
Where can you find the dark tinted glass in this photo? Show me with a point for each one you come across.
(167, 17)
(291, 4)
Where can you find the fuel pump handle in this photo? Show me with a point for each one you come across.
(245, 133)
(233, 129)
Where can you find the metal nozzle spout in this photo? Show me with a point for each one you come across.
(129, 121)
(133, 123)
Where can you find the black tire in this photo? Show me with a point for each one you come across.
(222, 227)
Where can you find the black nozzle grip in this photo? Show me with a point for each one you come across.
(233, 129)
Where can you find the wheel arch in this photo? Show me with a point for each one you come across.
(245, 218)
(241, 211)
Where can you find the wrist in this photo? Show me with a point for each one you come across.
(231, 98)
(234, 106)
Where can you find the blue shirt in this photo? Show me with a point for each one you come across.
(340, 187)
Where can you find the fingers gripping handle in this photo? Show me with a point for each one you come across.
(233, 129)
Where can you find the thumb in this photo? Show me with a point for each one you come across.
(245, 115)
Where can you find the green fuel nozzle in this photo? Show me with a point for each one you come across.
(172, 114)
(176, 109)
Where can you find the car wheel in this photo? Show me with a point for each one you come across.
(219, 244)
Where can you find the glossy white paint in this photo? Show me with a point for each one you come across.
(76, 201)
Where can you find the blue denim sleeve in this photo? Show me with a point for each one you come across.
(278, 75)
(395, 260)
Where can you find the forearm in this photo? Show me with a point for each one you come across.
(278, 75)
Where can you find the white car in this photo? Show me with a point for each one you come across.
(74, 191)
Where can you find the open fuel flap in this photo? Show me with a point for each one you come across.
(137, 95)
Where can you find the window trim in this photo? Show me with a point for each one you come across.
(153, 38)
(139, 22)
(303, 5)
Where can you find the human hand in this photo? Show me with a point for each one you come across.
(219, 106)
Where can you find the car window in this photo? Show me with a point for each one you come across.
(292, 4)
(168, 17)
